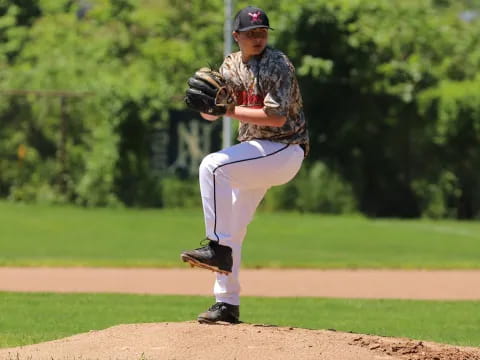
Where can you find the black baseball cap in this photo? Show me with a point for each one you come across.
(249, 18)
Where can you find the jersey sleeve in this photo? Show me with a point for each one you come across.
(277, 88)
(227, 68)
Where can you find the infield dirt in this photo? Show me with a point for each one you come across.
(373, 284)
(190, 340)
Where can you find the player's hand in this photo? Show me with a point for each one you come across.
(209, 117)
(230, 111)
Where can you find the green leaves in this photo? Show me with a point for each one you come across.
(388, 86)
(315, 67)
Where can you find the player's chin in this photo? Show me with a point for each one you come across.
(257, 50)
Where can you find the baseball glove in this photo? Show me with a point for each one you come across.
(208, 93)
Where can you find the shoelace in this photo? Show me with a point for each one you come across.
(205, 242)
(216, 306)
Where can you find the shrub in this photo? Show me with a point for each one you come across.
(438, 199)
(177, 193)
(315, 189)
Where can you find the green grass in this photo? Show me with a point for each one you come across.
(28, 318)
(54, 236)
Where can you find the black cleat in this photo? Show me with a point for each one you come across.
(220, 311)
(213, 256)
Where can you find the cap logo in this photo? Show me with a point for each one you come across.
(255, 17)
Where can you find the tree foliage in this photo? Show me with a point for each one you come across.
(390, 90)
(366, 66)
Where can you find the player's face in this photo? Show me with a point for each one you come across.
(252, 42)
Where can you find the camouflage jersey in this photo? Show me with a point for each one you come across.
(268, 81)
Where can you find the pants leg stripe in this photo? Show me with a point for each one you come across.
(234, 162)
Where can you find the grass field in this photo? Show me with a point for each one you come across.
(33, 318)
(42, 235)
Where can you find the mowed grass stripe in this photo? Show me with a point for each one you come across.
(28, 318)
(62, 235)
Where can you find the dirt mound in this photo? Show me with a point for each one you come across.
(415, 350)
(190, 340)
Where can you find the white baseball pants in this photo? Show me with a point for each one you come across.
(232, 184)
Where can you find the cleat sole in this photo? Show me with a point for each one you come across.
(195, 263)
(219, 322)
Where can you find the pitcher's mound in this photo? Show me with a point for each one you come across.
(190, 340)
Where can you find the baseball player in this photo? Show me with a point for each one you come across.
(273, 140)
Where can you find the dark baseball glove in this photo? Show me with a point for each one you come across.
(208, 93)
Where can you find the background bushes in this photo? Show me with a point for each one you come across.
(390, 91)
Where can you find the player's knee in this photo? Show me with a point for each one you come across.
(214, 163)
(208, 164)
